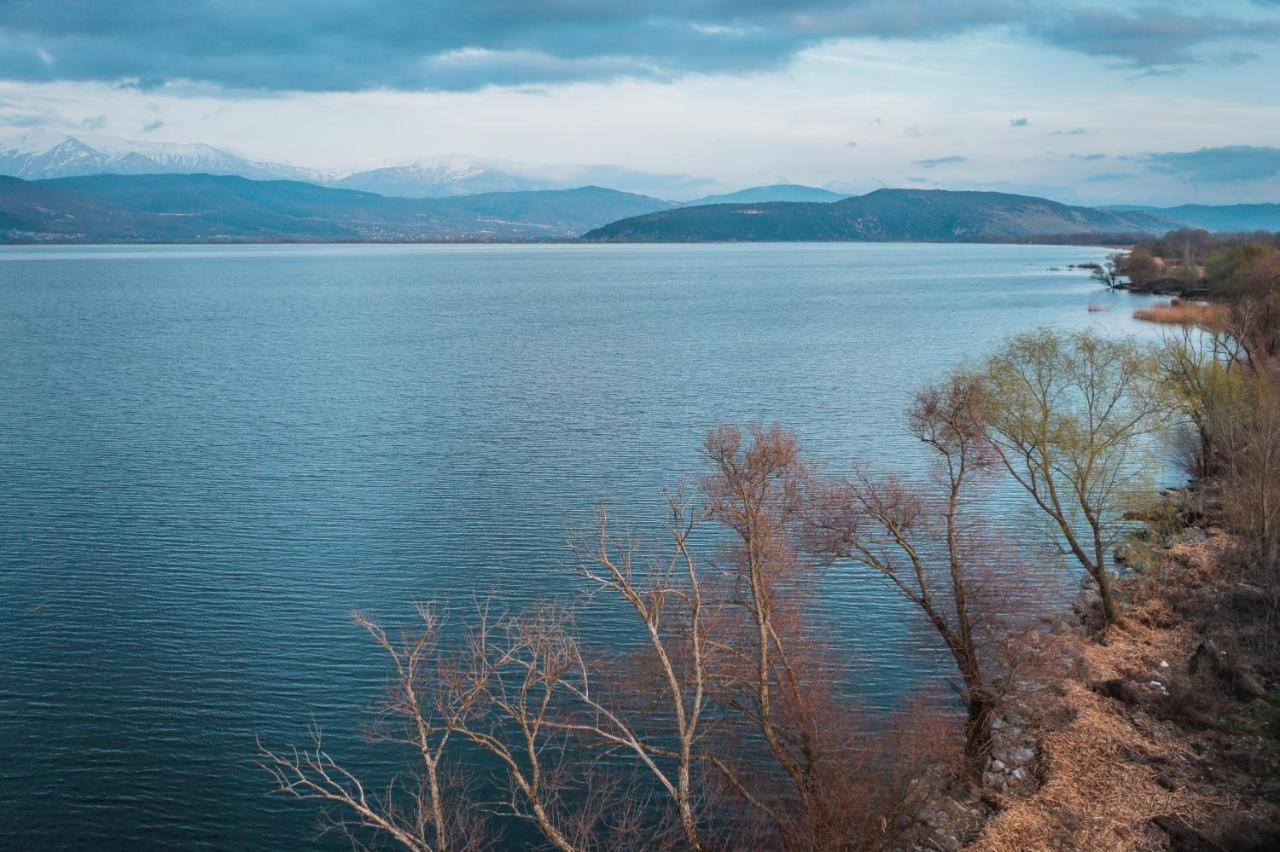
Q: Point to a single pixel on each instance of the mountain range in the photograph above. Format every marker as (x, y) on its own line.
(44, 154)
(91, 188)
(226, 208)
(1225, 217)
(883, 215)
(40, 154)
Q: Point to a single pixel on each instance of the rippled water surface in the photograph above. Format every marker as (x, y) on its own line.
(208, 456)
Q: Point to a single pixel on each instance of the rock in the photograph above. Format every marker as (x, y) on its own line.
(1164, 664)
(997, 766)
(1024, 755)
(1085, 601)
(1210, 658)
(1191, 535)
(1019, 774)
(994, 780)
(1166, 782)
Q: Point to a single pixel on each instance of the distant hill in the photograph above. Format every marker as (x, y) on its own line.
(883, 215)
(220, 208)
(774, 192)
(1211, 217)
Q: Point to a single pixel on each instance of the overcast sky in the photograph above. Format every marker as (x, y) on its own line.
(1083, 101)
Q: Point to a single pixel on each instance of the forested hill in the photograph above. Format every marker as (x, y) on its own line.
(883, 215)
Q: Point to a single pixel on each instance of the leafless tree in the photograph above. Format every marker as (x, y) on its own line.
(416, 814)
(721, 710)
(892, 527)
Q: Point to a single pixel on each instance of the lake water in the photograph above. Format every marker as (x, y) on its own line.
(208, 456)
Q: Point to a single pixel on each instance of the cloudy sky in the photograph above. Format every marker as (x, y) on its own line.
(1093, 101)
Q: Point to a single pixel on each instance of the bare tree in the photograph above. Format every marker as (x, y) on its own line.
(666, 595)
(1108, 274)
(416, 814)
(757, 489)
(1069, 417)
(891, 526)
(722, 712)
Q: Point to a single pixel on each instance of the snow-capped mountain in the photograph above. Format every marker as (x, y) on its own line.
(453, 174)
(459, 174)
(37, 154)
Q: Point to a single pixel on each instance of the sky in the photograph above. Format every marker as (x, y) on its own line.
(1087, 102)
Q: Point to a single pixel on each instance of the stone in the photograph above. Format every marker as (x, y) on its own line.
(1019, 774)
(1024, 755)
(1191, 535)
(1239, 678)
(997, 766)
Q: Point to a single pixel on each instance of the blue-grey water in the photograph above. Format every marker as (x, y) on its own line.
(208, 456)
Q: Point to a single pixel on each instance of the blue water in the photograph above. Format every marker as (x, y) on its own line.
(208, 456)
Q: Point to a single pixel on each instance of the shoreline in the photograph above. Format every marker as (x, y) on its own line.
(1150, 737)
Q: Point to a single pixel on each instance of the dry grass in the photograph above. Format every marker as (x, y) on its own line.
(1099, 771)
(1108, 768)
(1182, 312)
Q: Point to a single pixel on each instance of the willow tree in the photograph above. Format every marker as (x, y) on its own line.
(1071, 418)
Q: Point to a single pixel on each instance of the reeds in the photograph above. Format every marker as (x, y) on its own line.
(1182, 312)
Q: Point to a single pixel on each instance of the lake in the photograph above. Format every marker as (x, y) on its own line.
(209, 455)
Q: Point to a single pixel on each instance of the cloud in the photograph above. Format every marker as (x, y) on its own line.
(1075, 131)
(356, 45)
(152, 126)
(1019, 122)
(1154, 36)
(349, 45)
(1228, 164)
(940, 161)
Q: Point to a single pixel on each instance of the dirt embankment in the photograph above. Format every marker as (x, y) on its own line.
(1160, 735)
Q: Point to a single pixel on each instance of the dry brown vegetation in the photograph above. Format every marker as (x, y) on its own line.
(1182, 312)
(1141, 748)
